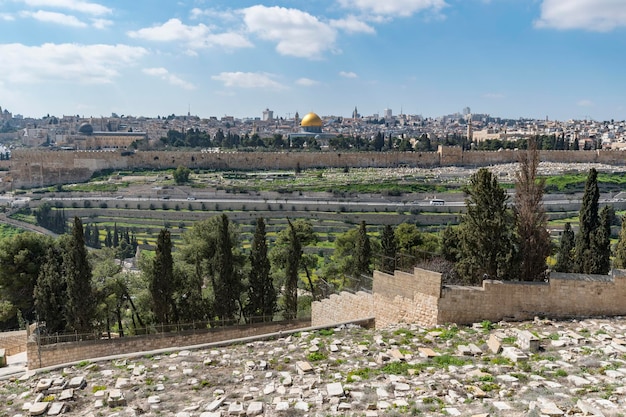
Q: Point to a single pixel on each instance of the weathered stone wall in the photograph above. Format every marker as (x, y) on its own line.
(31, 168)
(420, 298)
(339, 308)
(13, 342)
(49, 355)
(566, 295)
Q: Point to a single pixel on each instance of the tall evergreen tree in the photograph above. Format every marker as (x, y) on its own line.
(588, 223)
(388, 250)
(530, 215)
(294, 255)
(601, 243)
(565, 253)
(80, 305)
(161, 280)
(487, 243)
(363, 251)
(261, 292)
(50, 292)
(226, 283)
(620, 250)
(450, 244)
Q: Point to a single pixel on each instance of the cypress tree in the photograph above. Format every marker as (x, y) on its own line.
(50, 292)
(363, 250)
(588, 223)
(161, 279)
(389, 250)
(261, 292)
(80, 305)
(226, 284)
(620, 250)
(601, 243)
(294, 254)
(564, 256)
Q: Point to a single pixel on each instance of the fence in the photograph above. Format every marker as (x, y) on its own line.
(194, 327)
(67, 348)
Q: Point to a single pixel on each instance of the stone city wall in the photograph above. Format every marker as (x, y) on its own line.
(32, 168)
(54, 354)
(421, 298)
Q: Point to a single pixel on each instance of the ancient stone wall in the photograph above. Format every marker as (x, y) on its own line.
(49, 355)
(13, 342)
(31, 168)
(420, 298)
(339, 308)
(566, 295)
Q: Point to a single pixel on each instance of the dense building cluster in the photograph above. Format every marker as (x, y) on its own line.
(120, 131)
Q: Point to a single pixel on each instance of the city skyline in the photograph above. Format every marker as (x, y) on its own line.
(559, 59)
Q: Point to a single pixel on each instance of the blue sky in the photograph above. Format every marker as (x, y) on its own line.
(511, 58)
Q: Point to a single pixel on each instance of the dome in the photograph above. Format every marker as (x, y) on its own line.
(311, 120)
(85, 129)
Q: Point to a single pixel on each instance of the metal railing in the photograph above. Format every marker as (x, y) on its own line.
(163, 329)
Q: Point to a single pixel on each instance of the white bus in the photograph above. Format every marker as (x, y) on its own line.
(437, 202)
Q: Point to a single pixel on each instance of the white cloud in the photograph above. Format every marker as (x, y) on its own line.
(54, 17)
(352, 25)
(74, 5)
(295, 32)
(591, 15)
(198, 36)
(392, 8)
(306, 82)
(101, 23)
(164, 74)
(585, 103)
(95, 64)
(248, 80)
(348, 74)
(493, 96)
(7, 17)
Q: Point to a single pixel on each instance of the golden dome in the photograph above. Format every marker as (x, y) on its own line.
(311, 120)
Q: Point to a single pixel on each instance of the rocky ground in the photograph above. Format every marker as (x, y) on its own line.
(538, 368)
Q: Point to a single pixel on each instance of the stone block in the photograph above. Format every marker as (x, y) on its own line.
(303, 367)
(255, 408)
(494, 343)
(527, 341)
(334, 389)
(514, 354)
(38, 409)
(56, 408)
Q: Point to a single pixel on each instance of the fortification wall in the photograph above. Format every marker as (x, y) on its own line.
(31, 168)
(49, 355)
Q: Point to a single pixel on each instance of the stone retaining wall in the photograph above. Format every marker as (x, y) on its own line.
(421, 298)
(13, 342)
(49, 355)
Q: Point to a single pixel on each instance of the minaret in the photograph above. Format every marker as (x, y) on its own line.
(470, 132)
(355, 113)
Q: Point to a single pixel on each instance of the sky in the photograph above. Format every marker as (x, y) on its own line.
(561, 59)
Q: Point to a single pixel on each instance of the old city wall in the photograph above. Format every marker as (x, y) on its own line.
(421, 298)
(54, 354)
(31, 168)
